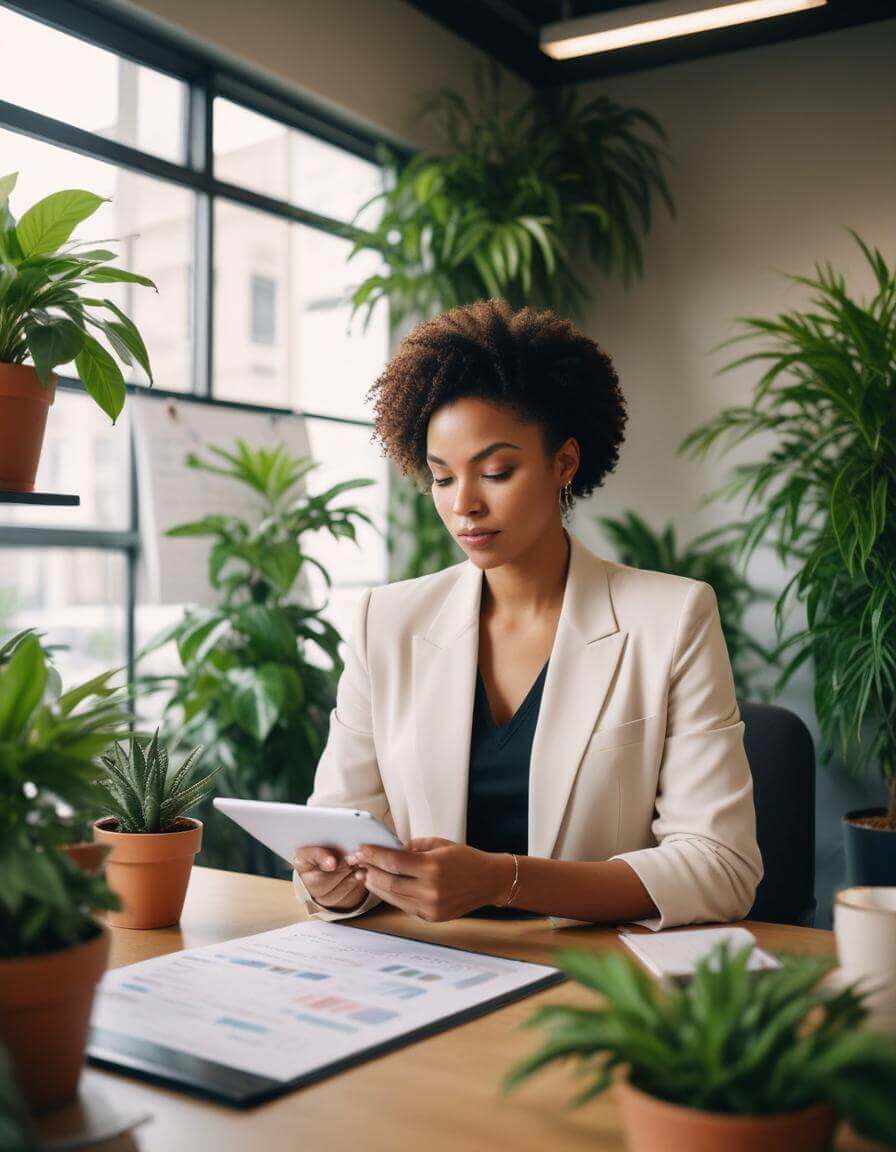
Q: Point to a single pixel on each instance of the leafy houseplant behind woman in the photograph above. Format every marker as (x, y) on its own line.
(43, 316)
(152, 842)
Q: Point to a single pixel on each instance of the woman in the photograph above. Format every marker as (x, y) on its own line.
(547, 731)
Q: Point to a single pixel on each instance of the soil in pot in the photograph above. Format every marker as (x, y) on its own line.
(652, 1124)
(45, 1005)
(150, 871)
(24, 404)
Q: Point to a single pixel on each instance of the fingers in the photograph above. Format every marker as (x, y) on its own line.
(377, 884)
(314, 856)
(397, 860)
(349, 889)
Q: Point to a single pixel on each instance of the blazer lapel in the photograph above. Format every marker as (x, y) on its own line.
(587, 648)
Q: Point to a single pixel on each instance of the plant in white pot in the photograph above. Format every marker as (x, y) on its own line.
(45, 316)
(153, 844)
(738, 1060)
(53, 947)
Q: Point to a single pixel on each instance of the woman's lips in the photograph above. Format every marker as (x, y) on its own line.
(480, 541)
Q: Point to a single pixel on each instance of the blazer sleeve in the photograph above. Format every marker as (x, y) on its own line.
(348, 775)
(706, 864)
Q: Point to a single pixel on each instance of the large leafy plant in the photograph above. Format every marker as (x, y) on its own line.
(247, 689)
(826, 496)
(44, 314)
(732, 1041)
(711, 556)
(49, 744)
(512, 202)
(144, 795)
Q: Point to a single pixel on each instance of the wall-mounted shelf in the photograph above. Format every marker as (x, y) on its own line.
(59, 499)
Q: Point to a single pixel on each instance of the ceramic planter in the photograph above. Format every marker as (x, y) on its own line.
(651, 1124)
(45, 1006)
(24, 404)
(870, 852)
(150, 871)
(87, 854)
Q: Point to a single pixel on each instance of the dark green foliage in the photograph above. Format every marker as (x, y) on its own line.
(733, 1041)
(49, 744)
(512, 202)
(709, 557)
(247, 691)
(16, 1130)
(826, 495)
(42, 311)
(143, 794)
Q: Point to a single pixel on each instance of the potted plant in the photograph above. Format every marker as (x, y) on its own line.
(44, 316)
(737, 1060)
(16, 1130)
(152, 842)
(248, 689)
(827, 493)
(53, 948)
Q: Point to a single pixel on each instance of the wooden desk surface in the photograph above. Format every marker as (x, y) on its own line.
(440, 1093)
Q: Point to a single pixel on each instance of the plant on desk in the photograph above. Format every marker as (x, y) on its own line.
(247, 690)
(152, 842)
(738, 1060)
(53, 949)
(45, 316)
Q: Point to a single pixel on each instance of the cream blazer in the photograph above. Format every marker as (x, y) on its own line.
(638, 752)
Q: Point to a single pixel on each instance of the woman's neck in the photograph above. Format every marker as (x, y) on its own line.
(531, 585)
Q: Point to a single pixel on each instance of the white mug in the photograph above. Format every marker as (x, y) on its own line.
(865, 928)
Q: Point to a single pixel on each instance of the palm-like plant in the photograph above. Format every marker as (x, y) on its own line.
(710, 557)
(513, 201)
(827, 495)
(247, 690)
(733, 1041)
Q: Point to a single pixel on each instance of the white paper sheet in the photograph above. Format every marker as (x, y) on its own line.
(674, 955)
(286, 1002)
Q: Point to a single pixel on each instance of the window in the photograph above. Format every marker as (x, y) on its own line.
(261, 204)
(264, 310)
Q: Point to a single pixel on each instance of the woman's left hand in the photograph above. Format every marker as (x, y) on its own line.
(433, 878)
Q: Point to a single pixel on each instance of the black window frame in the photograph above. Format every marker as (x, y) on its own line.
(206, 77)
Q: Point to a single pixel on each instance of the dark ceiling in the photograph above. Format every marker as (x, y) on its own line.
(508, 31)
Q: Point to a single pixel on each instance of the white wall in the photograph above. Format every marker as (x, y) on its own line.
(777, 150)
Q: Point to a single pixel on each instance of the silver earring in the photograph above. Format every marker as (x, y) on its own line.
(566, 501)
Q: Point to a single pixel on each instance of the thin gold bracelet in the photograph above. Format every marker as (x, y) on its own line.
(516, 880)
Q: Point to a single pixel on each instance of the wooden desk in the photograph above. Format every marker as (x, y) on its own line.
(437, 1094)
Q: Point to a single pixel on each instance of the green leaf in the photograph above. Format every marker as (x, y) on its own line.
(50, 222)
(101, 376)
(127, 333)
(22, 682)
(117, 276)
(257, 699)
(52, 344)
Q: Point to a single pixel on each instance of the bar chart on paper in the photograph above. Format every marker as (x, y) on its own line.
(250, 1018)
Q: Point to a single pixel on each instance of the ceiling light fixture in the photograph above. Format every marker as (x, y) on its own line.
(608, 31)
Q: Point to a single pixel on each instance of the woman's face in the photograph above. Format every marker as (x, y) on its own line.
(511, 490)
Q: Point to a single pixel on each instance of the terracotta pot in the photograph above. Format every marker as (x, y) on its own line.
(150, 871)
(651, 1124)
(24, 403)
(87, 854)
(45, 1006)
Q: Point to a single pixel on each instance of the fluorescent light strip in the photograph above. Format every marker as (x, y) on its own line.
(610, 31)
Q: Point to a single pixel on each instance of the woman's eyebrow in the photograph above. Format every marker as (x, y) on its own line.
(479, 455)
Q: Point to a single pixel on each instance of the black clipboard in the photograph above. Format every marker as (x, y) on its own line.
(171, 1068)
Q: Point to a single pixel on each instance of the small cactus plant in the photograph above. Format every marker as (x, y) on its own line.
(144, 798)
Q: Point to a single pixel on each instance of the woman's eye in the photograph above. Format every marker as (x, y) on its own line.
(486, 476)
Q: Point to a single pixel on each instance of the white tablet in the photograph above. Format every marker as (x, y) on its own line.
(285, 827)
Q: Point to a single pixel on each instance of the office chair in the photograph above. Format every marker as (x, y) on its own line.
(781, 753)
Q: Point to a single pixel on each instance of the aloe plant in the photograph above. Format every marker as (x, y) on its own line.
(42, 311)
(732, 1041)
(144, 796)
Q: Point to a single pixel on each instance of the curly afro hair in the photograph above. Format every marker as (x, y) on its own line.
(535, 363)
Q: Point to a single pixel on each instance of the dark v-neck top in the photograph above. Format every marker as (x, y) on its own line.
(498, 787)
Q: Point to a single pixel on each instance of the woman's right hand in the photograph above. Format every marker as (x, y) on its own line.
(329, 880)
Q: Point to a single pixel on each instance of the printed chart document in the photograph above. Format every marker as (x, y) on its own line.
(248, 1019)
(673, 956)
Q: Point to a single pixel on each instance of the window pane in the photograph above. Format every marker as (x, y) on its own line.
(84, 454)
(318, 360)
(347, 452)
(151, 225)
(265, 155)
(61, 76)
(76, 597)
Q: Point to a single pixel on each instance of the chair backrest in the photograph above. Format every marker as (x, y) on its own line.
(781, 753)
